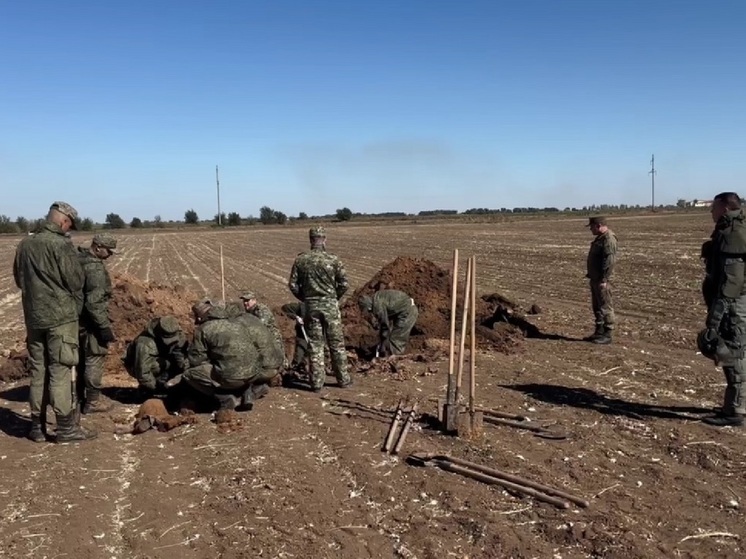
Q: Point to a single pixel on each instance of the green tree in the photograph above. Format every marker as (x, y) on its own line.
(136, 223)
(281, 218)
(191, 217)
(113, 221)
(302, 215)
(681, 203)
(220, 220)
(234, 219)
(344, 214)
(7, 225)
(266, 215)
(158, 222)
(86, 224)
(23, 224)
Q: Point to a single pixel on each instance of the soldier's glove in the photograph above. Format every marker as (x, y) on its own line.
(707, 342)
(106, 335)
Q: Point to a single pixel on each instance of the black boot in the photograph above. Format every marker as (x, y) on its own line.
(94, 403)
(598, 332)
(725, 420)
(247, 400)
(36, 433)
(69, 431)
(226, 401)
(604, 338)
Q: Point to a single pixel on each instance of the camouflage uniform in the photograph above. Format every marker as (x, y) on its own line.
(709, 288)
(296, 311)
(223, 359)
(319, 280)
(95, 326)
(271, 359)
(601, 260)
(396, 314)
(263, 313)
(47, 270)
(157, 354)
(726, 317)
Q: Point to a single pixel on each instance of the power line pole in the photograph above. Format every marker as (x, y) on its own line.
(217, 182)
(652, 173)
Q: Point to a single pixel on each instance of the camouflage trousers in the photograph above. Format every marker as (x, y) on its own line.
(323, 322)
(732, 357)
(394, 341)
(52, 355)
(204, 379)
(603, 307)
(90, 365)
(301, 347)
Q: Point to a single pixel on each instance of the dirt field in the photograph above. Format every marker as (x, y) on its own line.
(303, 475)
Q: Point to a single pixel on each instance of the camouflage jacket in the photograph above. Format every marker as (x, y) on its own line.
(96, 292)
(294, 310)
(223, 343)
(148, 358)
(728, 266)
(390, 304)
(602, 257)
(270, 354)
(47, 270)
(317, 274)
(263, 313)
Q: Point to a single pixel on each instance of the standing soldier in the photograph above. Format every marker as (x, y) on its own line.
(47, 270)
(263, 313)
(95, 327)
(601, 260)
(724, 336)
(318, 279)
(395, 314)
(296, 312)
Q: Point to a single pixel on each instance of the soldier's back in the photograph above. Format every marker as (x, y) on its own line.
(317, 274)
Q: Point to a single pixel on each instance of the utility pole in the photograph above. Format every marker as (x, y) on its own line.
(652, 178)
(217, 182)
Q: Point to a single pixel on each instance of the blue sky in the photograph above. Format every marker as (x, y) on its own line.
(379, 105)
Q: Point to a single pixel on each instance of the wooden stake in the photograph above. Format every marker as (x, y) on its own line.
(472, 336)
(222, 273)
(464, 322)
(451, 410)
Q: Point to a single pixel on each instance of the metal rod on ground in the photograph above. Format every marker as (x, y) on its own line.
(405, 429)
(394, 424)
(502, 415)
(462, 344)
(516, 424)
(484, 478)
(517, 479)
(450, 412)
(222, 273)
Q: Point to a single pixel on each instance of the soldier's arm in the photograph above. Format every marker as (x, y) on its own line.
(94, 296)
(293, 282)
(729, 288)
(147, 366)
(179, 354)
(17, 276)
(341, 282)
(71, 271)
(380, 311)
(609, 257)
(198, 350)
(291, 310)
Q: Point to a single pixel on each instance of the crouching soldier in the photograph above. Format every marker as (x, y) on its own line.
(395, 314)
(224, 363)
(95, 327)
(157, 355)
(296, 312)
(263, 313)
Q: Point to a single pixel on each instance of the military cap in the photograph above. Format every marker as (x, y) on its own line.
(105, 240)
(202, 307)
(365, 303)
(169, 328)
(317, 231)
(596, 220)
(68, 210)
(247, 296)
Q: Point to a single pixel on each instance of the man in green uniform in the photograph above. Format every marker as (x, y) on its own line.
(318, 279)
(725, 326)
(296, 312)
(601, 261)
(95, 327)
(47, 270)
(263, 313)
(224, 363)
(394, 313)
(157, 355)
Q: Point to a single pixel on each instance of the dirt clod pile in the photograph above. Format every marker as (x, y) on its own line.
(430, 286)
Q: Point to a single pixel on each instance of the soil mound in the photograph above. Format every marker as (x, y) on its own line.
(430, 286)
(133, 303)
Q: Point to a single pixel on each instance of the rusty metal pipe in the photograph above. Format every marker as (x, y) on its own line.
(394, 425)
(405, 429)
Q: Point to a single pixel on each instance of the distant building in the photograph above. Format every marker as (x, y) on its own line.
(699, 203)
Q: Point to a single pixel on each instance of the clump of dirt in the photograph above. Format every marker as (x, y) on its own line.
(228, 421)
(14, 366)
(430, 287)
(153, 415)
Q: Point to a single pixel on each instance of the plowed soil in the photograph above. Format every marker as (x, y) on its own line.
(303, 474)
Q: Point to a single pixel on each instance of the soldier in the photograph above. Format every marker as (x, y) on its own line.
(47, 270)
(271, 358)
(601, 260)
(318, 279)
(394, 313)
(263, 313)
(223, 359)
(724, 336)
(708, 283)
(157, 355)
(95, 327)
(296, 312)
